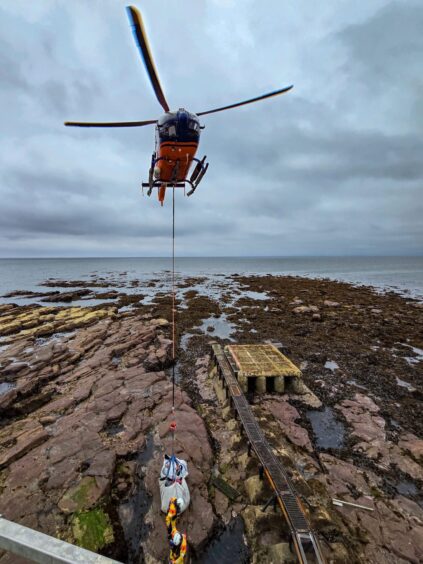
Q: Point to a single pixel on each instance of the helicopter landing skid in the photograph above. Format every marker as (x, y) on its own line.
(194, 180)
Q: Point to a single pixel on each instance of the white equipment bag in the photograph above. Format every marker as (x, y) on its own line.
(174, 468)
(172, 482)
(173, 489)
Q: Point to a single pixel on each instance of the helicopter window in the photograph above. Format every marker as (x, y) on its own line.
(172, 131)
(193, 125)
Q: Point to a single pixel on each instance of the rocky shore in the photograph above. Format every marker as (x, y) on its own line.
(85, 402)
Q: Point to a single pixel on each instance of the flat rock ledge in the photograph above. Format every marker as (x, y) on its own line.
(85, 425)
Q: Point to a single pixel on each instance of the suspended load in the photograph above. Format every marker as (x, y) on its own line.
(172, 483)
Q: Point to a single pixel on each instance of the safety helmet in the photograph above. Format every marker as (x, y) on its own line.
(180, 503)
(176, 538)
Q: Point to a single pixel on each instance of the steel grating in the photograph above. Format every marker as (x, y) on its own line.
(294, 511)
(225, 488)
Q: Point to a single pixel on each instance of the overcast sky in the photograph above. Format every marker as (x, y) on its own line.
(334, 167)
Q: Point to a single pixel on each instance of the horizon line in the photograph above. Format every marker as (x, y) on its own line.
(214, 257)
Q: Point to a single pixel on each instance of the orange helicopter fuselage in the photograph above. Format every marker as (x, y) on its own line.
(177, 139)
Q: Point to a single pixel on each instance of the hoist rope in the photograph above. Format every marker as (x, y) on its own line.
(173, 424)
(173, 299)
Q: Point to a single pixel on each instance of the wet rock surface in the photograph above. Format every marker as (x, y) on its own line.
(81, 410)
(85, 403)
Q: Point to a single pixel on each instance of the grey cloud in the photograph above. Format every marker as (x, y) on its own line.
(388, 46)
(332, 167)
(11, 75)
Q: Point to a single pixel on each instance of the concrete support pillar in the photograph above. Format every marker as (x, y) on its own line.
(261, 385)
(279, 384)
(296, 385)
(242, 381)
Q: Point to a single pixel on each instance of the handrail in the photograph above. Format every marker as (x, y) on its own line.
(44, 549)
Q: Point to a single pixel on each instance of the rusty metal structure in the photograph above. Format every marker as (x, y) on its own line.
(305, 540)
(261, 368)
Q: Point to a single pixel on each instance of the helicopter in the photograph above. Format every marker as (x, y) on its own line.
(177, 132)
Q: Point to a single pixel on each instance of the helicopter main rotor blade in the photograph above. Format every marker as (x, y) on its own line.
(110, 124)
(140, 36)
(250, 101)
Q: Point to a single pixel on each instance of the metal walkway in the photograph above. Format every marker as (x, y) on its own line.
(305, 540)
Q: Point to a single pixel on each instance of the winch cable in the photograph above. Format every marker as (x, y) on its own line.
(173, 423)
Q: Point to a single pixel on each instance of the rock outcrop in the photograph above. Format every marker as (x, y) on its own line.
(83, 405)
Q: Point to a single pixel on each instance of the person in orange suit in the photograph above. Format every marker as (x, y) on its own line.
(175, 508)
(178, 547)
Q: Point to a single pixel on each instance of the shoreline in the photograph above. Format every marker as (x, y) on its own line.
(404, 274)
(361, 356)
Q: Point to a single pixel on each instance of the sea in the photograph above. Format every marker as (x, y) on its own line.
(399, 274)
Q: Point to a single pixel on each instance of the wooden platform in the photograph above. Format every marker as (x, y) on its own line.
(261, 368)
(262, 360)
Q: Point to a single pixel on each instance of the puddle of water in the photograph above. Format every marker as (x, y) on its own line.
(184, 340)
(116, 360)
(254, 295)
(132, 512)
(89, 302)
(406, 488)
(55, 338)
(405, 384)
(126, 308)
(73, 303)
(418, 355)
(411, 360)
(417, 351)
(328, 431)
(178, 375)
(222, 328)
(331, 365)
(5, 387)
(148, 300)
(228, 548)
(114, 429)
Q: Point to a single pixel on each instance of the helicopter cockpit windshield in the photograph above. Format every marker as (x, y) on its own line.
(179, 126)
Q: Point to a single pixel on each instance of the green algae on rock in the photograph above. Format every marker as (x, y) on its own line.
(92, 529)
(84, 495)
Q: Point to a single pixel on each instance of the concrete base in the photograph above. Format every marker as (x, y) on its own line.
(261, 384)
(243, 384)
(280, 384)
(295, 386)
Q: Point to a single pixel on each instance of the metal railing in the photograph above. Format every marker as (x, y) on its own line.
(44, 549)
